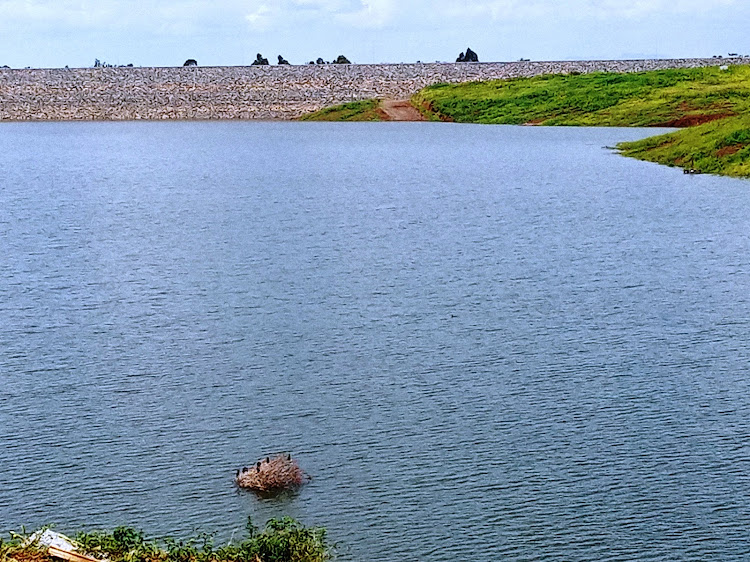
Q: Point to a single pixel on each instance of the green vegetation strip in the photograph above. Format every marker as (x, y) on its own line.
(282, 540)
(643, 99)
(711, 105)
(721, 147)
(365, 110)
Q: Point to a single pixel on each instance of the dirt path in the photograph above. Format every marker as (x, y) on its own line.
(400, 110)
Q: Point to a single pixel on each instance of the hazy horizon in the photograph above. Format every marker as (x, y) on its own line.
(56, 33)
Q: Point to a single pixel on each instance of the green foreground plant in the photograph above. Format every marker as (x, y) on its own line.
(282, 540)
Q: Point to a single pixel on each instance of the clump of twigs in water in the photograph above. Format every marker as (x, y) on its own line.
(271, 474)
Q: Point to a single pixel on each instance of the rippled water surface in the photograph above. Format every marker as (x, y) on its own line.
(484, 343)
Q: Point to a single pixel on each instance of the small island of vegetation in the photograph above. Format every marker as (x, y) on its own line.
(275, 473)
(709, 104)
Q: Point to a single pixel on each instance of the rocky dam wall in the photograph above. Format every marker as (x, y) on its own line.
(256, 92)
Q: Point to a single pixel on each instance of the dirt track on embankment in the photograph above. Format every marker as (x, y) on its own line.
(400, 110)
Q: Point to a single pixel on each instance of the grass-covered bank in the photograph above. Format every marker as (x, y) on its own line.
(709, 104)
(365, 110)
(282, 540)
(721, 147)
(671, 98)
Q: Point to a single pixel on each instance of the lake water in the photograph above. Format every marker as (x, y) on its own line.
(482, 342)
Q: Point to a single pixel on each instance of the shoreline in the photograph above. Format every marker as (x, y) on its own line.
(272, 93)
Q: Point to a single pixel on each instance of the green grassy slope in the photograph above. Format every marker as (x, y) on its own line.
(721, 147)
(713, 106)
(365, 110)
(663, 97)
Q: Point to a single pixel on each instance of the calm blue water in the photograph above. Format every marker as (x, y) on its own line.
(484, 343)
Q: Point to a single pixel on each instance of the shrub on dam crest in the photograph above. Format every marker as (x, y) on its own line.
(468, 56)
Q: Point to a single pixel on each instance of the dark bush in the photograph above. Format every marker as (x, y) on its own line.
(468, 56)
(740, 137)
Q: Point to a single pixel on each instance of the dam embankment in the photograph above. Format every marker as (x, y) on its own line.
(256, 92)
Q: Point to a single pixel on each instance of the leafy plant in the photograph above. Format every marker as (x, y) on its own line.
(282, 540)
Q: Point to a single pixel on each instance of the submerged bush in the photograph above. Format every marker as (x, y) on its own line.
(274, 473)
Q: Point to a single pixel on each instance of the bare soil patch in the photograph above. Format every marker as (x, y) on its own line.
(729, 150)
(400, 110)
(693, 120)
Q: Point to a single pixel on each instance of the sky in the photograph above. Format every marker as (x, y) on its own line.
(56, 33)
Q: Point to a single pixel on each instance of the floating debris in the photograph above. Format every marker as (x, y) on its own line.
(59, 546)
(273, 473)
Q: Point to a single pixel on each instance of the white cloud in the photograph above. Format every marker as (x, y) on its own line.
(327, 6)
(348, 13)
(187, 15)
(579, 9)
(371, 14)
(104, 15)
(61, 13)
(421, 14)
(260, 18)
(220, 31)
